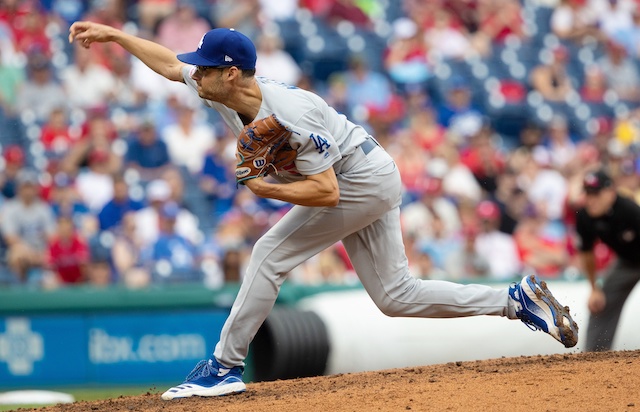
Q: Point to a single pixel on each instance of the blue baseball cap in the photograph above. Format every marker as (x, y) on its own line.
(223, 47)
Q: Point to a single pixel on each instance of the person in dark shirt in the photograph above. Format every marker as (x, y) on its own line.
(147, 153)
(217, 182)
(615, 220)
(111, 214)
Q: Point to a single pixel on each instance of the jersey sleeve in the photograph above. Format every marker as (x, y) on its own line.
(187, 71)
(586, 235)
(317, 148)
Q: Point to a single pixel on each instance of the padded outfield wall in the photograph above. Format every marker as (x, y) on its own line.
(87, 336)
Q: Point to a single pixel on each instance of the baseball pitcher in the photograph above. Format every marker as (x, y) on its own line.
(344, 186)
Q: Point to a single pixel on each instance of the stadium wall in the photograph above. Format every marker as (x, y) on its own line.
(86, 337)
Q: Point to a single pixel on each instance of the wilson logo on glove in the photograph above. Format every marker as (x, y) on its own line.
(259, 162)
(263, 147)
(242, 172)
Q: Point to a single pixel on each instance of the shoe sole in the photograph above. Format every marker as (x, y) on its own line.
(562, 318)
(230, 389)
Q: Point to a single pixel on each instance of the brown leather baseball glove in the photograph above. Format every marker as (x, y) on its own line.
(263, 147)
(285, 156)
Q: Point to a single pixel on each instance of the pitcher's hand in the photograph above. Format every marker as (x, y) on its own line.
(86, 32)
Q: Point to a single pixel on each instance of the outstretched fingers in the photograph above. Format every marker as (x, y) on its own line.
(75, 29)
(84, 33)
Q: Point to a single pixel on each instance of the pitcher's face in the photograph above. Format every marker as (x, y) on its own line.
(211, 85)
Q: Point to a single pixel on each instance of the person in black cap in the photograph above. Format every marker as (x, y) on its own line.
(344, 187)
(615, 220)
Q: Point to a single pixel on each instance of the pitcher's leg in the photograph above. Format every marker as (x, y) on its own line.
(256, 297)
(378, 256)
(276, 253)
(299, 235)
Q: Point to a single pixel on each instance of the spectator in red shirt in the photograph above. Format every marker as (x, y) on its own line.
(56, 135)
(68, 253)
(426, 131)
(12, 10)
(30, 33)
(501, 19)
(27, 23)
(99, 124)
(410, 160)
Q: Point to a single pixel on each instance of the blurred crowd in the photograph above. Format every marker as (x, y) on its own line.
(493, 110)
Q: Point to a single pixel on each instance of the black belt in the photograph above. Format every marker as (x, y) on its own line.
(368, 145)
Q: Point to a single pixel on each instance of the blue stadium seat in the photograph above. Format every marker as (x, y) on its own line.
(12, 130)
(291, 38)
(393, 9)
(600, 109)
(374, 49)
(542, 23)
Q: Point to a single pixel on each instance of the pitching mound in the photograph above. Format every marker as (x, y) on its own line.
(576, 382)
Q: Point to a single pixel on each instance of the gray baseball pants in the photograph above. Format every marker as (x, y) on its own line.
(367, 220)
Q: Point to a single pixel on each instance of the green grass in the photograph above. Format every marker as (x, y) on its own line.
(91, 394)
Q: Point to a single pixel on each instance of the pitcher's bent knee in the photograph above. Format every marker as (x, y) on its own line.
(392, 307)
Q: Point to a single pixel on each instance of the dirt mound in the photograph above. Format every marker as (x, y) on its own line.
(575, 382)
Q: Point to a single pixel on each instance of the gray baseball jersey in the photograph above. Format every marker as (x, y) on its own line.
(366, 220)
(321, 136)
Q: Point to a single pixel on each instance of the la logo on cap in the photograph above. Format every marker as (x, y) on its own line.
(201, 41)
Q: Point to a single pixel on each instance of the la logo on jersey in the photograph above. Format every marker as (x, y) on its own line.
(320, 142)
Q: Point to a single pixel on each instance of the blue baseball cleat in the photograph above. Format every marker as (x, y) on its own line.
(539, 310)
(209, 378)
